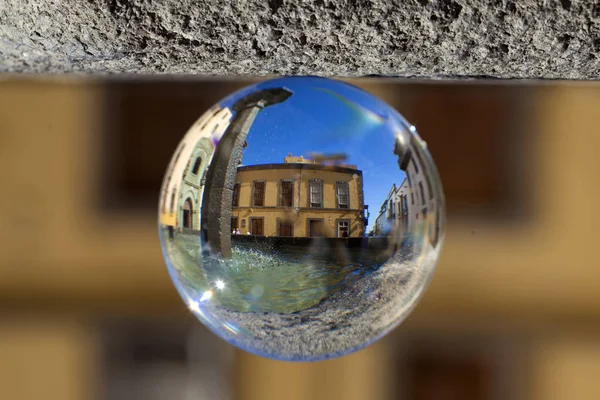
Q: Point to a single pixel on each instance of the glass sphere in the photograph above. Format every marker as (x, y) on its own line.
(301, 218)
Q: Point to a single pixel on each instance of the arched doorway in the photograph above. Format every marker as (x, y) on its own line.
(188, 209)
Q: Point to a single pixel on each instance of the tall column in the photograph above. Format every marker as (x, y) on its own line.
(220, 178)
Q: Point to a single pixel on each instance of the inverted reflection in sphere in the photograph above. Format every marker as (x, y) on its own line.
(301, 218)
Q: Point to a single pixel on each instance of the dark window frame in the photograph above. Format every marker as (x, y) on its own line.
(172, 200)
(264, 193)
(338, 185)
(196, 167)
(235, 200)
(429, 188)
(415, 164)
(311, 182)
(166, 191)
(422, 192)
(291, 195)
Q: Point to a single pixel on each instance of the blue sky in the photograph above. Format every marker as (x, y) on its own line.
(328, 116)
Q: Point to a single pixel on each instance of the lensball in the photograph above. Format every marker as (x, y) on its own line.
(301, 218)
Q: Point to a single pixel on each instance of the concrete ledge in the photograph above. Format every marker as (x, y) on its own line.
(416, 38)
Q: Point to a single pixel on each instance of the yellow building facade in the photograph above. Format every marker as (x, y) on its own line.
(299, 198)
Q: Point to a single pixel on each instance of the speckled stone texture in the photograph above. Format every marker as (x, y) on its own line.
(415, 38)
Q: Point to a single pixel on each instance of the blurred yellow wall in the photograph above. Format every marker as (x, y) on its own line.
(62, 262)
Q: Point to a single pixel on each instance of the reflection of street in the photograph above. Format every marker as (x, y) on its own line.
(260, 279)
(324, 317)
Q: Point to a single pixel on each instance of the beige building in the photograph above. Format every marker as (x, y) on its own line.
(420, 203)
(184, 182)
(299, 198)
(393, 213)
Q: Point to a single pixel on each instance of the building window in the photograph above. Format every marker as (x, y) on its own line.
(409, 181)
(404, 203)
(258, 197)
(286, 194)
(416, 164)
(343, 228)
(437, 229)
(316, 193)
(234, 223)
(196, 167)
(412, 198)
(164, 199)
(429, 188)
(236, 195)
(343, 195)
(422, 192)
(419, 159)
(286, 228)
(172, 204)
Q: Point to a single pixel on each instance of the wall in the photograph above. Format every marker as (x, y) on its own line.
(301, 186)
(67, 264)
(192, 185)
(211, 124)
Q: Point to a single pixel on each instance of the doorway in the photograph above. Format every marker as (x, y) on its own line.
(188, 211)
(257, 226)
(286, 228)
(315, 227)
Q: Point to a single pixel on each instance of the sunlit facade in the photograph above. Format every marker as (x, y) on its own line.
(299, 198)
(411, 206)
(393, 213)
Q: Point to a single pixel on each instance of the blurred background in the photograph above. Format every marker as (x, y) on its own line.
(88, 310)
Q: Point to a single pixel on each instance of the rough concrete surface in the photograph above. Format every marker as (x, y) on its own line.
(415, 38)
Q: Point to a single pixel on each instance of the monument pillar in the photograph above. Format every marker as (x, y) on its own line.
(222, 171)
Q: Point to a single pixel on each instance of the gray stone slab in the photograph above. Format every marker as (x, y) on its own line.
(416, 38)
